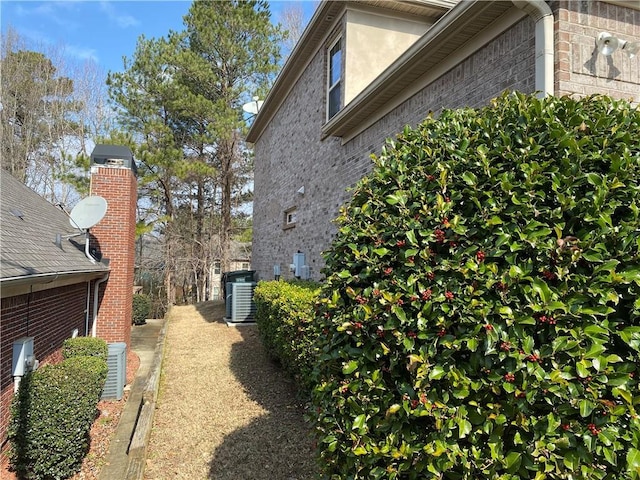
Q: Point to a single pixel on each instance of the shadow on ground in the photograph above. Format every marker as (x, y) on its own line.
(276, 446)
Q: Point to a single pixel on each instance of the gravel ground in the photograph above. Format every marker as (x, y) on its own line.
(225, 411)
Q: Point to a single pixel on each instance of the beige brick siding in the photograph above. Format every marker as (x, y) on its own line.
(579, 68)
(290, 153)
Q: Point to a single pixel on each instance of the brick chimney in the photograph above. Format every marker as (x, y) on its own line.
(113, 177)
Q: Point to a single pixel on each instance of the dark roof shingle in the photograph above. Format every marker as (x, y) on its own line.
(28, 228)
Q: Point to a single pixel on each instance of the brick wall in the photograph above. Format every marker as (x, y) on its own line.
(579, 69)
(114, 237)
(291, 154)
(50, 316)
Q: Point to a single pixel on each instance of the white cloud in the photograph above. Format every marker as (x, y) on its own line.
(122, 20)
(55, 12)
(82, 53)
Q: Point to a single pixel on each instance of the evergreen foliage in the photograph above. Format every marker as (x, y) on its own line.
(85, 347)
(481, 311)
(51, 417)
(284, 314)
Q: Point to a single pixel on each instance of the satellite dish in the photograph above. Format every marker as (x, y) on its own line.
(253, 107)
(88, 212)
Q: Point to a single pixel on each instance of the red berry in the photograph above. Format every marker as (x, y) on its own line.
(566, 426)
(414, 404)
(488, 327)
(449, 295)
(505, 346)
(412, 334)
(509, 377)
(400, 243)
(388, 270)
(480, 256)
(426, 294)
(442, 332)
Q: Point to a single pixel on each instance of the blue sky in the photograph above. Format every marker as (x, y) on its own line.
(102, 31)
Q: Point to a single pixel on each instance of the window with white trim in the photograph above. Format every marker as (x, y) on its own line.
(334, 79)
(290, 217)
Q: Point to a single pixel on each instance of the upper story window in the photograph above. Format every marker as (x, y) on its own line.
(334, 90)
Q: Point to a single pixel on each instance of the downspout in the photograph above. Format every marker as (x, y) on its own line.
(86, 316)
(94, 327)
(540, 12)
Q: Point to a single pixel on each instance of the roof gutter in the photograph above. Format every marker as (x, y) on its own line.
(540, 12)
(12, 286)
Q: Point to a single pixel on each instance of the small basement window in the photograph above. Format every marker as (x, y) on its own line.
(290, 217)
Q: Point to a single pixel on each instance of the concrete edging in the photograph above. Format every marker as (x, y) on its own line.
(137, 453)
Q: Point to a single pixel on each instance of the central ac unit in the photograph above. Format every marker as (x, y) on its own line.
(241, 302)
(117, 373)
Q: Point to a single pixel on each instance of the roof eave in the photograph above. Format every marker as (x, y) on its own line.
(312, 38)
(437, 43)
(11, 286)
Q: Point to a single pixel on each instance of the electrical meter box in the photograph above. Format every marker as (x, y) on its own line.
(23, 358)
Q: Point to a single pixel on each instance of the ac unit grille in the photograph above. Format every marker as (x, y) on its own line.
(117, 374)
(242, 307)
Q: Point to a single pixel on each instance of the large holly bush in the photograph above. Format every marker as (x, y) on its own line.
(481, 310)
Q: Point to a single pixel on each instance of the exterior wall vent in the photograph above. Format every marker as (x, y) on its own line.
(117, 375)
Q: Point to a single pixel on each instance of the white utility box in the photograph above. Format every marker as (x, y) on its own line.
(23, 358)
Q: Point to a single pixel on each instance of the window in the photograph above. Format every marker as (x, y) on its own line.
(290, 217)
(334, 90)
(245, 266)
(216, 268)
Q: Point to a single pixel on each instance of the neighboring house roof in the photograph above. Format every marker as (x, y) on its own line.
(455, 24)
(29, 226)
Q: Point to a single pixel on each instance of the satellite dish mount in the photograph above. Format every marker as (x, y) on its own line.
(86, 214)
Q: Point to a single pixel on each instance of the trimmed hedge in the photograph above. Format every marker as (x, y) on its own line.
(482, 304)
(141, 308)
(284, 314)
(52, 414)
(85, 347)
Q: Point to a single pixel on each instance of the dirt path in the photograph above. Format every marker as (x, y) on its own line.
(225, 411)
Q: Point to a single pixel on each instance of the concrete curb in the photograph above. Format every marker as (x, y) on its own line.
(137, 453)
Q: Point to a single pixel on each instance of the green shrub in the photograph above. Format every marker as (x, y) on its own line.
(141, 308)
(284, 314)
(85, 346)
(51, 417)
(482, 302)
